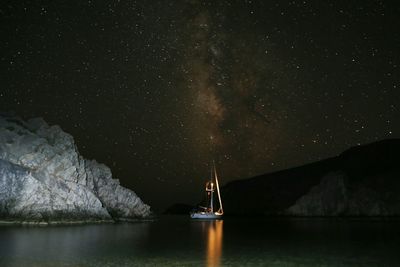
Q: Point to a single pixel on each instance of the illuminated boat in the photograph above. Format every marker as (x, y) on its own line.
(209, 212)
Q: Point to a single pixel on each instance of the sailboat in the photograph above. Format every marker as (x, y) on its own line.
(210, 212)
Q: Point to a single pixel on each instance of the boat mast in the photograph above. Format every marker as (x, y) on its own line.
(221, 210)
(211, 192)
(212, 198)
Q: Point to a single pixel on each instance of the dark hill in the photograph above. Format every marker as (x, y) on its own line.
(362, 181)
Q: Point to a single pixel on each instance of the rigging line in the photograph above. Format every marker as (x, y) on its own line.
(219, 194)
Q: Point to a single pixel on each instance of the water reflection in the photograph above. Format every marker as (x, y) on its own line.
(68, 243)
(179, 241)
(214, 242)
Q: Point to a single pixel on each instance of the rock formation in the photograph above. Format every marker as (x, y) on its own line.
(43, 178)
(362, 181)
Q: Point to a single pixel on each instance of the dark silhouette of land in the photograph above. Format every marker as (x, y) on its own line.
(362, 181)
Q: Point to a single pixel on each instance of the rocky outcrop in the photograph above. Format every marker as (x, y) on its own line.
(43, 178)
(362, 181)
(329, 197)
(338, 195)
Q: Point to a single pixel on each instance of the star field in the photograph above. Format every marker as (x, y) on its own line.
(156, 90)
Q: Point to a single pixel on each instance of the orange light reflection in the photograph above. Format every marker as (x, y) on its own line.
(214, 243)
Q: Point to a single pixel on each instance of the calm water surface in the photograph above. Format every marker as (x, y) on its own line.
(178, 241)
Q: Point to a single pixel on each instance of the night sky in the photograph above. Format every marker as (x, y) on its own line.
(156, 90)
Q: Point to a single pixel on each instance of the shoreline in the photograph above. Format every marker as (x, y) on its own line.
(56, 222)
(4, 222)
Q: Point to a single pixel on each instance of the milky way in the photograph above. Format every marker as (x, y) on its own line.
(158, 89)
(236, 104)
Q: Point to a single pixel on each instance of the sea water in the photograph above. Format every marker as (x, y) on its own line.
(179, 241)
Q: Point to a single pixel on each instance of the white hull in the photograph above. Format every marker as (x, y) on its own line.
(206, 215)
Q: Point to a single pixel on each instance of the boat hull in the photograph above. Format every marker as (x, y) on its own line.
(206, 215)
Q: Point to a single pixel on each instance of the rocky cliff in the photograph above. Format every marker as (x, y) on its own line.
(43, 178)
(362, 181)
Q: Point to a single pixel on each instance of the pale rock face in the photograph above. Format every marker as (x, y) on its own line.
(333, 196)
(43, 177)
(119, 201)
(329, 198)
